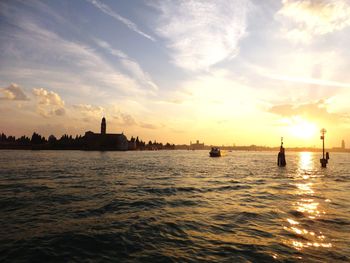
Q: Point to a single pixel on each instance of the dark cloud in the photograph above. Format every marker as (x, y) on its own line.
(12, 92)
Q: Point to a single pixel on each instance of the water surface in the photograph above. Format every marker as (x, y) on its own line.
(173, 206)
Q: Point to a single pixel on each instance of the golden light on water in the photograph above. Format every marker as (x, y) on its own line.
(307, 206)
(305, 188)
(305, 161)
(312, 239)
(292, 222)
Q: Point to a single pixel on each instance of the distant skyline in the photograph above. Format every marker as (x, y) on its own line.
(221, 72)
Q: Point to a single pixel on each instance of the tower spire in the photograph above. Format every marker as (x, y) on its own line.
(103, 126)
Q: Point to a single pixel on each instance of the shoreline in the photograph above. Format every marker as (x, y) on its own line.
(243, 148)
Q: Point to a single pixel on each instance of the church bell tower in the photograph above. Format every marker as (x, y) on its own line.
(103, 126)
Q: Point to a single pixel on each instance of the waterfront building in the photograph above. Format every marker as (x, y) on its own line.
(196, 146)
(104, 140)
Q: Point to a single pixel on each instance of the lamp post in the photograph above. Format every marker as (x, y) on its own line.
(323, 161)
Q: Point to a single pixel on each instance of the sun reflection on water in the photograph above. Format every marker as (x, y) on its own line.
(305, 160)
(305, 164)
(305, 188)
(304, 237)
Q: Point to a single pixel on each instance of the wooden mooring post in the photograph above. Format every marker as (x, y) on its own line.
(281, 158)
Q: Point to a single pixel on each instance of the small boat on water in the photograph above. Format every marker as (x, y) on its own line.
(215, 152)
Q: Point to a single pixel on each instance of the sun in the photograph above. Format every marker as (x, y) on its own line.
(302, 128)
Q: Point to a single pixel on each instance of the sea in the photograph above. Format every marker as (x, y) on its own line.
(173, 206)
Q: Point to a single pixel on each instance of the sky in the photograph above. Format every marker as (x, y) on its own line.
(224, 72)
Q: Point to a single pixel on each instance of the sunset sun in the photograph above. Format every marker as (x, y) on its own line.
(302, 128)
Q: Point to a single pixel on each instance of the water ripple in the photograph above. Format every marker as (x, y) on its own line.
(173, 206)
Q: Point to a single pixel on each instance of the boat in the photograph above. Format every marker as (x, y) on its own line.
(215, 152)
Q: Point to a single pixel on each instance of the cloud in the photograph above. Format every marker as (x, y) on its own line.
(48, 97)
(137, 72)
(148, 126)
(128, 119)
(68, 63)
(311, 81)
(130, 65)
(202, 33)
(48, 103)
(60, 111)
(308, 72)
(12, 92)
(125, 119)
(89, 109)
(115, 52)
(313, 110)
(303, 20)
(131, 25)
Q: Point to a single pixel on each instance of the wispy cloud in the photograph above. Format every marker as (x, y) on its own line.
(77, 63)
(87, 112)
(312, 110)
(202, 33)
(302, 20)
(89, 109)
(314, 68)
(12, 92)
(127, 120)
(129, 65)
(148, 126)
(312, 81)
(115, 52)
(131, 25)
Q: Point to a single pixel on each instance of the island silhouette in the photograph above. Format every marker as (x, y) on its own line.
(102, 141)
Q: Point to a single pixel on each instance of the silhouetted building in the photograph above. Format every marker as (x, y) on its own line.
(105, 141)
(343, 144)
(103, 126)
(196, 146)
